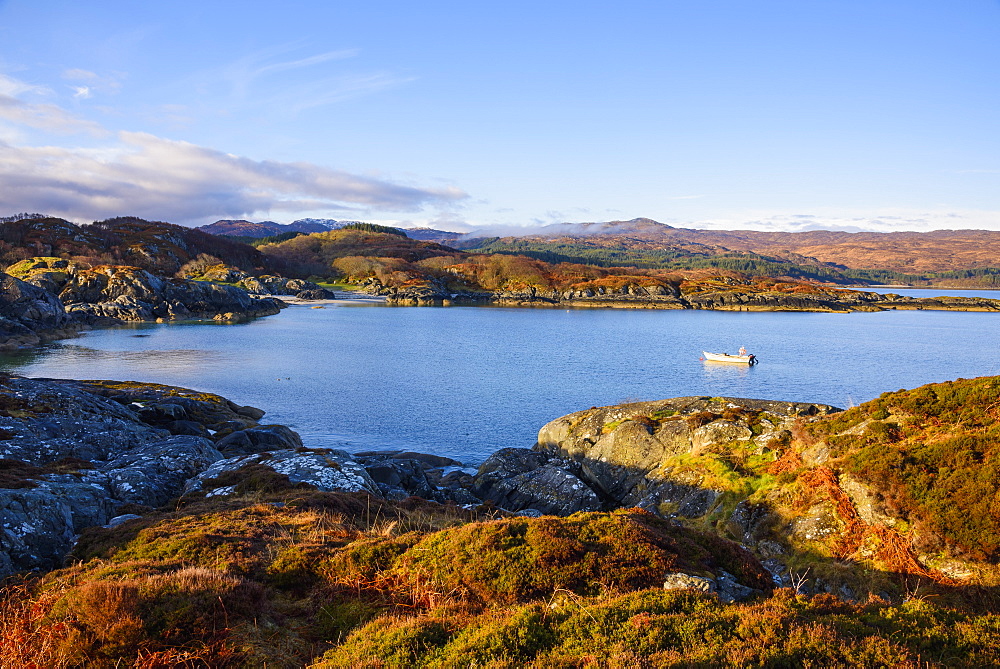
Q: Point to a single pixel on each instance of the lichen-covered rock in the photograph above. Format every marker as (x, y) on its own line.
(323, 469)
(625, 451)
(682, 581)
(38, 525)
(725, 586)
(152, 475)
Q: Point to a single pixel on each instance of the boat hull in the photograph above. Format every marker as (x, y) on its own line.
(725, 357)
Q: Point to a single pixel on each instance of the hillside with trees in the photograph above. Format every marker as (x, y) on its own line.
(160, 248)
(955, 258)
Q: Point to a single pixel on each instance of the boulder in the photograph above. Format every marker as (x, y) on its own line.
(258, 440)
(402, 474)
(724, 585)
(315, 294)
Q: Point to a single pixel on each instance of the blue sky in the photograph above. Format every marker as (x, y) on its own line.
(773, 115)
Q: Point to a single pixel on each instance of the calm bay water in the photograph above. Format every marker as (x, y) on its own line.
(465, 381)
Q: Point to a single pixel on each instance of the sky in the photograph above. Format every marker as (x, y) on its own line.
(717, 114)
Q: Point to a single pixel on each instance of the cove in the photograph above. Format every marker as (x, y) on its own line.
(466, 381)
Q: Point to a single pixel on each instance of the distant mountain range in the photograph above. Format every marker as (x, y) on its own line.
(906, 252)
(902, 252)
(250, 229)
(241, 228)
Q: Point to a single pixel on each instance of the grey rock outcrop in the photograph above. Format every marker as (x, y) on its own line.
(56, 299)
(517, 479)
(259, 439)
(72, 453)
(279, 285)
(128, 294)
(402, 474)
(30, 315)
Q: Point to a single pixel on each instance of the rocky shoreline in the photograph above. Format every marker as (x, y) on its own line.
(634, 296)
(44, 299)
(88, 454)
(79, 454)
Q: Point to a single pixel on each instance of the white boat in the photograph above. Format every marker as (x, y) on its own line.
(748, 359)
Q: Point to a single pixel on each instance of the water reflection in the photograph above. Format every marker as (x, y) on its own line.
(73, 358)
(716, 371)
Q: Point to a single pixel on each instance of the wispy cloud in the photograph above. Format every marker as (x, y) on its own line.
(272, 80)
(46, 117)
(338, 89)
(14, 87)
(307, 62)
(86, 83)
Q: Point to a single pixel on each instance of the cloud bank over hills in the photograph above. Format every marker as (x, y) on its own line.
(140, 174)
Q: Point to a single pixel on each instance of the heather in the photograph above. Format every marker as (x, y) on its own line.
(294, 577)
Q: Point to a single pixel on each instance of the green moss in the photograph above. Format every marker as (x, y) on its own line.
(159, 390)
(12, 406)
(366, 559)
(336, 620)
(610, 427)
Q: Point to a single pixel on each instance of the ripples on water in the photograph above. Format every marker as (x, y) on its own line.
(465, 381)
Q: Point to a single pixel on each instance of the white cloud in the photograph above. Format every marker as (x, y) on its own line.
(148, 176)
(144, 175)
(91, 82)
(889, 220)
(81, 92)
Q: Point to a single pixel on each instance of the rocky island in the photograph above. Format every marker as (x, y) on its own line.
(191, 532)
(679, 294)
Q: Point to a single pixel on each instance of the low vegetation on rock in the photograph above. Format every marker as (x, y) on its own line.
(294, 578)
